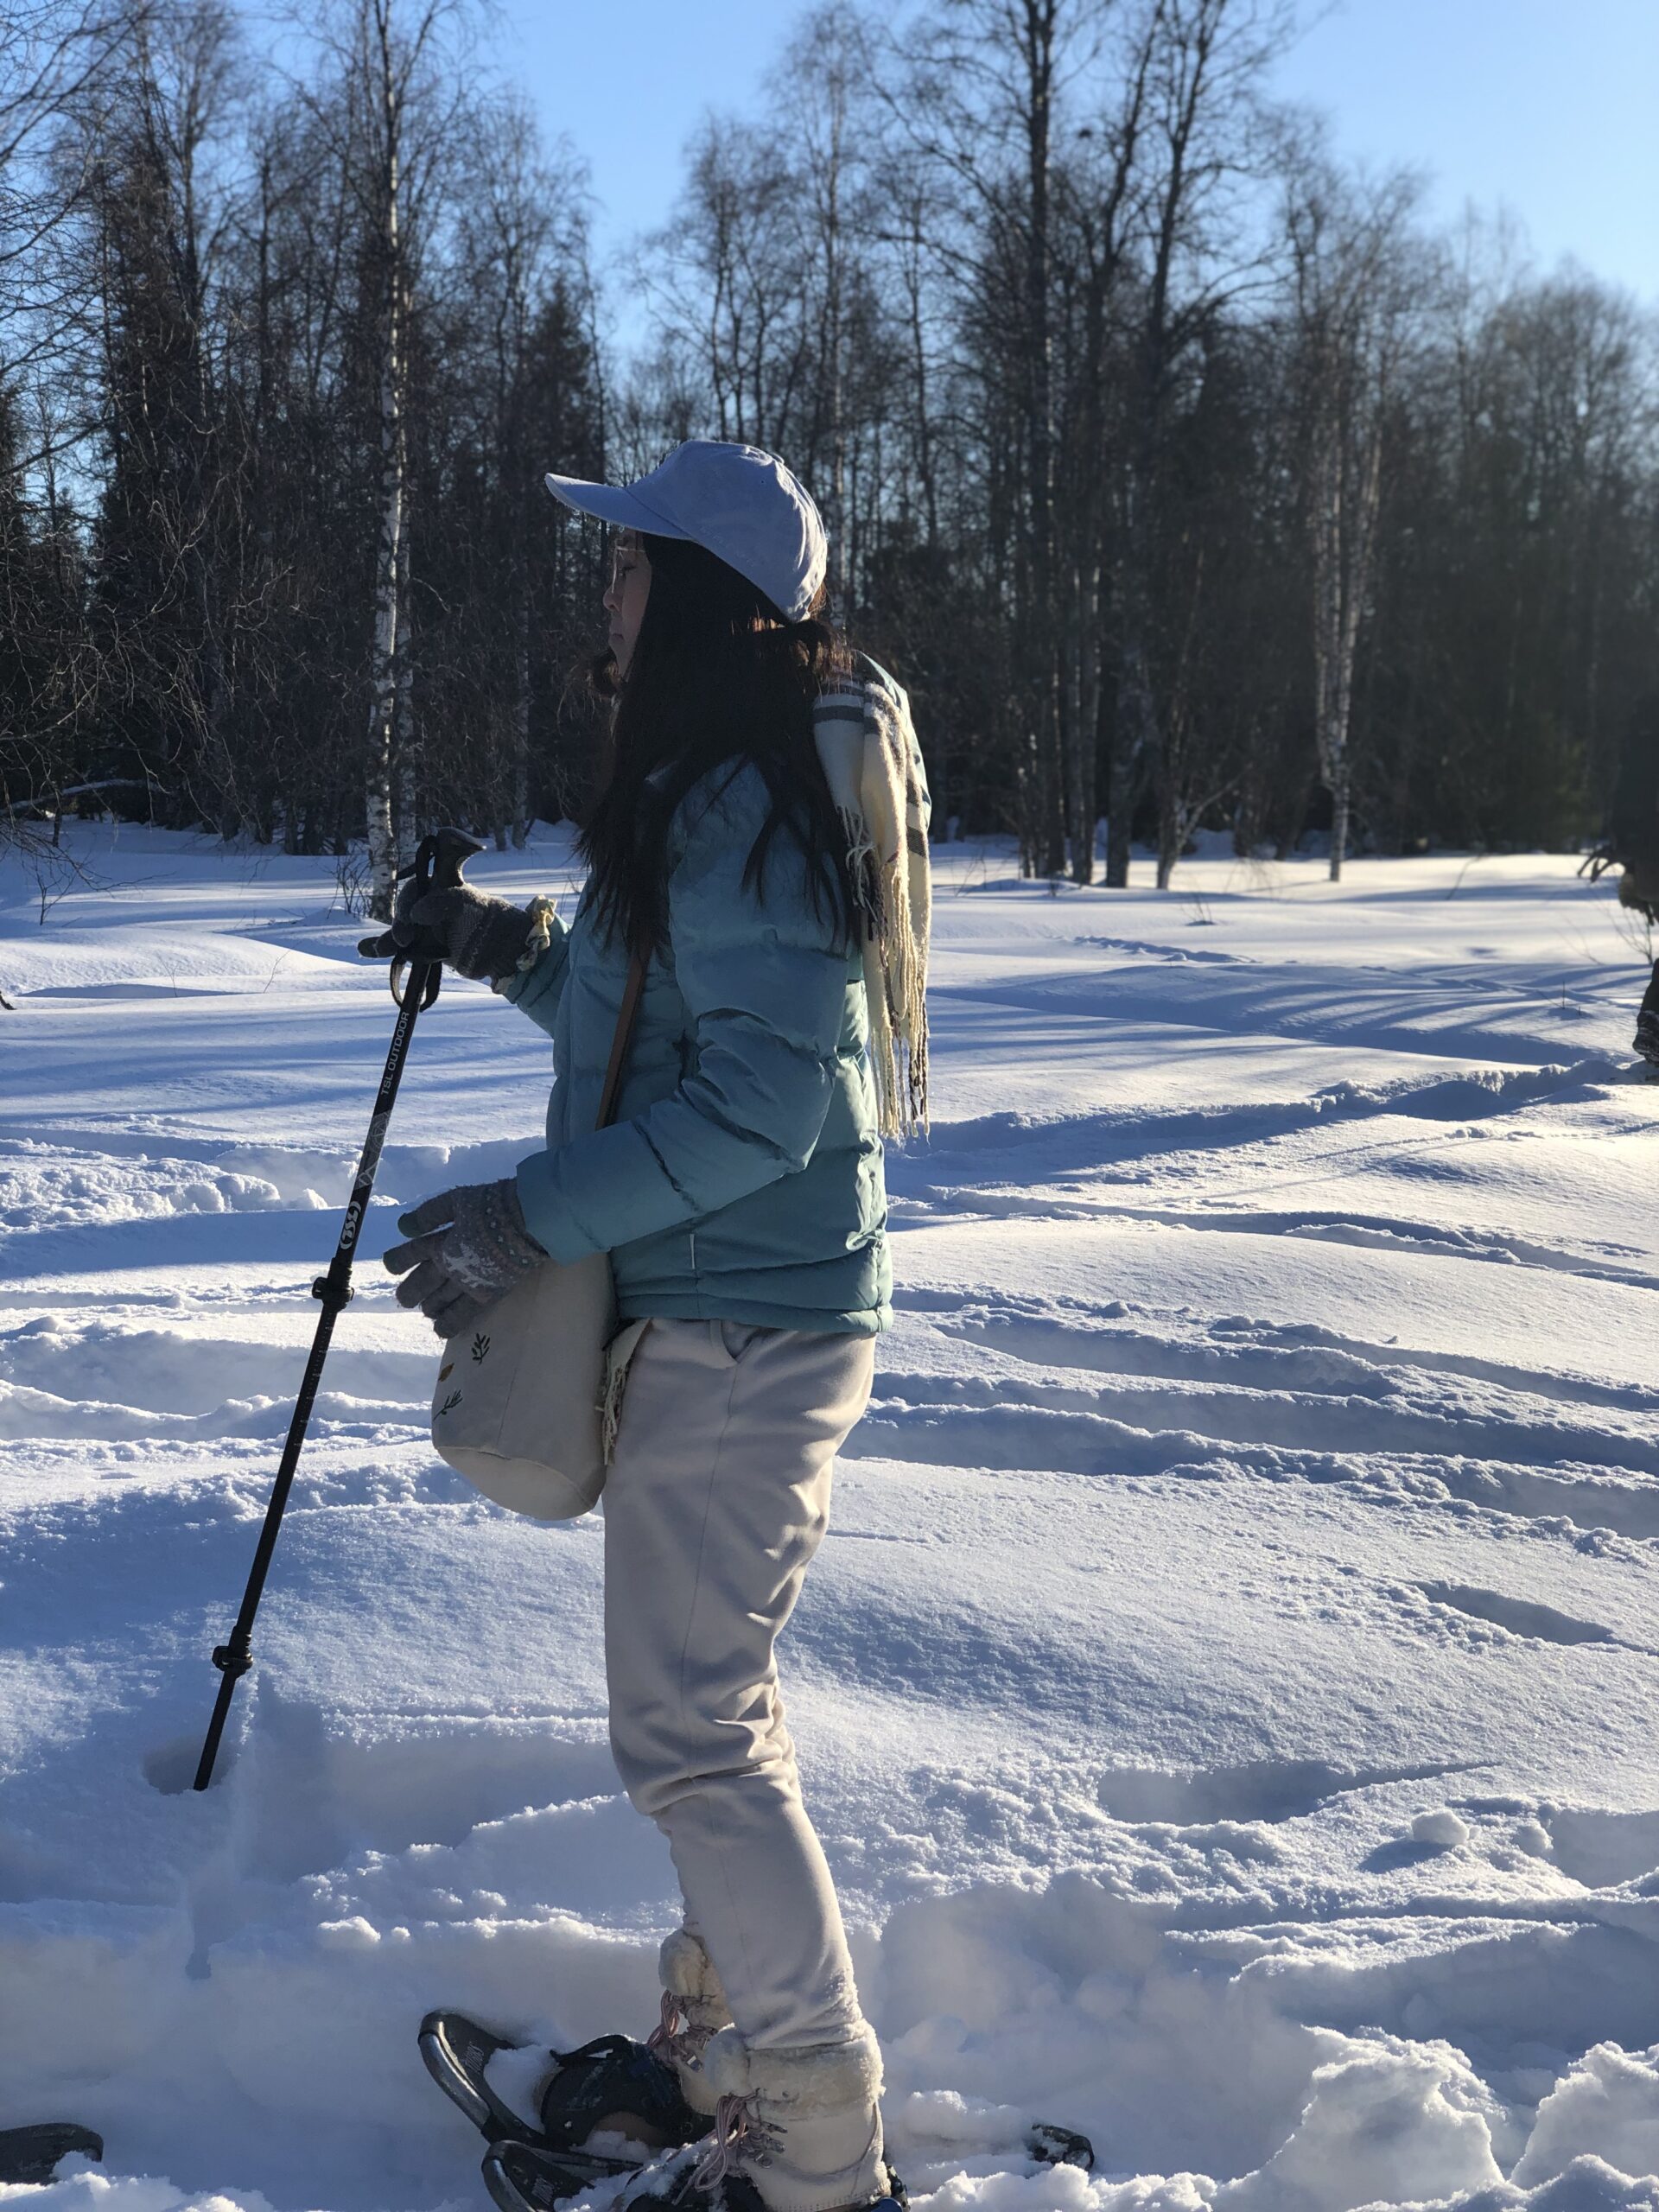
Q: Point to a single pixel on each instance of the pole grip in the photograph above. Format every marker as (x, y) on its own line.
(437, 866)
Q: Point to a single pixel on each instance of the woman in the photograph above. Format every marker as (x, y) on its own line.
(761, 839)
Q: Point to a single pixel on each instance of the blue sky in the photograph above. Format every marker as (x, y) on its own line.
(1549, 105)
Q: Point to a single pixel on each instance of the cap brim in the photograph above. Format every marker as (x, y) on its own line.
(612, 503)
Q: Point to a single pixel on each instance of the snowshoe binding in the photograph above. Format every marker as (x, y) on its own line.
(1058, 2146)
(686, 2184)
(712, 2175)
(611, 2086)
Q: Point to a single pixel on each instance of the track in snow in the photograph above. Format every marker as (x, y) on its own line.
(1265, 1468)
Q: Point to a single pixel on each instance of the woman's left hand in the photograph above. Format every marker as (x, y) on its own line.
(485, 939)
(467, 1247)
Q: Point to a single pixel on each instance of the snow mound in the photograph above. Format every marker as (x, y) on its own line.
(1225, 1693)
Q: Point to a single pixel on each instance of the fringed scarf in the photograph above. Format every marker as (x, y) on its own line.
(874, 767)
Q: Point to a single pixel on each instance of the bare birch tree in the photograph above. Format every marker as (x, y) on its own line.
(1206, 70)
(392, 119)
(984, 84)
(384, 64)
(1099, 190)
(1352, 270)
(1113, 494)
(56, 58)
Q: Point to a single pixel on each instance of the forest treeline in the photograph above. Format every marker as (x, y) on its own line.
(1187, 476)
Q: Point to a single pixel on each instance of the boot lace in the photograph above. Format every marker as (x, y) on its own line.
(674, 2036)
(662, 2037)
(737, 2134)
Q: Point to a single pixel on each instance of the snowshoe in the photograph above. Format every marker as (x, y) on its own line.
(1058, 2146)
(683, 2185)
(31, 2153)
(524, 2176)
(735, 2194)
(611, 2084)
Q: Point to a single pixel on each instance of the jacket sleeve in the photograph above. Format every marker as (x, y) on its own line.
(538, 991)
(764, 988)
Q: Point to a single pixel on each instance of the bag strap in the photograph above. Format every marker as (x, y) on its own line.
(630, 1007)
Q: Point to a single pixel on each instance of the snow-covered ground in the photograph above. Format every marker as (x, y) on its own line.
(1227, 1695)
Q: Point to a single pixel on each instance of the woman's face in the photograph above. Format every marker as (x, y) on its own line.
(624, 601)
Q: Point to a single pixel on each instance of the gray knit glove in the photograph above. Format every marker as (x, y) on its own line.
(467, 1247)
(479, 937)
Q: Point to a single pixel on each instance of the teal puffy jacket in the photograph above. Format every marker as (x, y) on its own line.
(741, 1177)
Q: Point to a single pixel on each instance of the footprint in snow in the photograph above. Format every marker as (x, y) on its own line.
(1524, 1616)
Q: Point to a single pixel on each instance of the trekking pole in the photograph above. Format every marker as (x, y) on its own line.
(415, 982)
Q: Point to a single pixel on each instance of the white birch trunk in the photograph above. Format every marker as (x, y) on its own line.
(382, 679)
(405, 748)
(1089, 719)
(1347, 486)
(389, 559)
(1329, 700)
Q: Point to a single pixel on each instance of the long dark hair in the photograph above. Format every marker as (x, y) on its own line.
(717, 677)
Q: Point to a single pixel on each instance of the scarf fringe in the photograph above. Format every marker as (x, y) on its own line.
(873, 765)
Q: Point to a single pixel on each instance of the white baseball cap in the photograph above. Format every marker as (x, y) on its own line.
(741, 503)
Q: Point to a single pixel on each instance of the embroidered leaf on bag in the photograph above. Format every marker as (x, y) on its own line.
(480, 1345)
(448, 1405)
(446, 1371)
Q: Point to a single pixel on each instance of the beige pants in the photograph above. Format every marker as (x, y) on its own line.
(717, 1498)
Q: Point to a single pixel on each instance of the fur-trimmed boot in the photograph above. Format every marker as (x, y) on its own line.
(694, 2009)
(801, 2128)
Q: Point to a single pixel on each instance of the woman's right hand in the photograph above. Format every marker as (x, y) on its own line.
(479, 937)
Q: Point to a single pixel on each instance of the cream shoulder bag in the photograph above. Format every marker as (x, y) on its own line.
(525, 1401)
